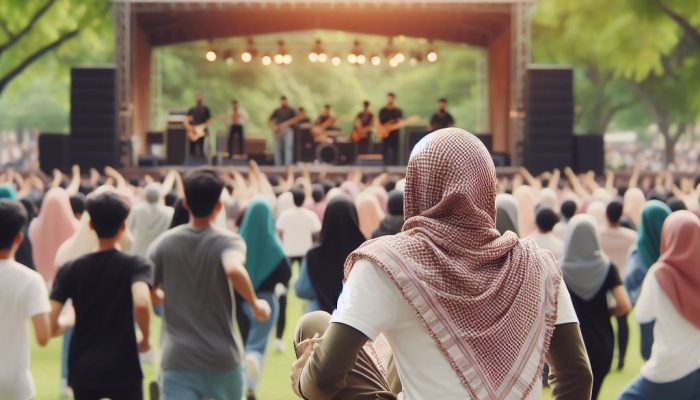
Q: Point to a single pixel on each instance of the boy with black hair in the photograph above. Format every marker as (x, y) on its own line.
(109, 290)
(77, 204)
(568, 209)
(22, 296)
(196, 265)
(545, 219)
(297, 228)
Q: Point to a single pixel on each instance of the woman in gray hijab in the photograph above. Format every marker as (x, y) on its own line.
(589, 277)
(506, 214)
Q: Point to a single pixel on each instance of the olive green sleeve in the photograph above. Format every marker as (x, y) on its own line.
(570, 372)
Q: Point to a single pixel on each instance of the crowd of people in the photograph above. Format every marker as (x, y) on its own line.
(447, 283)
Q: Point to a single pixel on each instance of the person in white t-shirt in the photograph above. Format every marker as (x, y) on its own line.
(670, 297)
(467, 312)
(545, 220)
(23, 296)
(298, 227)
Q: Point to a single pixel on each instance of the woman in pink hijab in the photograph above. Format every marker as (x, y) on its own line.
(369, 212)
(670, 297)
(526, 199)
(54, 225)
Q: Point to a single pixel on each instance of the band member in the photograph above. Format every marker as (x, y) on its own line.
(196, 116)
(362, 133)
(324, 116)
(390, 143)
(238, 117)
(283, 132)
(441, 119)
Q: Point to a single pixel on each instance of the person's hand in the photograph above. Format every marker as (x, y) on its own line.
(142, 340)
(75, 169)
(261, 310)
(304, 349)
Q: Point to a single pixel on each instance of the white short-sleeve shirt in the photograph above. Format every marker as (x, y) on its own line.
(676, 349)
(371, 304)
(23, 295)
(298, 225)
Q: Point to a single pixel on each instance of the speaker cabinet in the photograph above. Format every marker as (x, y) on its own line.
(93, 118)
(589, 152)
(53, 152)
(549, 126)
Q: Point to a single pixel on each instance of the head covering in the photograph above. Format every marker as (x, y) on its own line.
(632, 204)
(54, 225)
(333, 193)
(264, 250)
(340, 235)
(393, 221)
(601, 195)
(678, 271)
(525, 199)
(152, 193)
(488, 300)
(649, 231)
(381, 195)
(584, 266)
(400, 185)
(369, 212)
(147, 221)
(548, 199)
(284, 202)
(8, 191)
(350, 188)
(84, 239)
(506, 214)
(597, 210)
(395, 203)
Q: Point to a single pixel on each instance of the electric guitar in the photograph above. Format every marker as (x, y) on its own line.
(279, 129)
(385, 129)
(196, 132)
(319, 131)
(361, 132)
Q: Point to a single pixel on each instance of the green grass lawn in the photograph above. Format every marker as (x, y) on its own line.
(275, 383)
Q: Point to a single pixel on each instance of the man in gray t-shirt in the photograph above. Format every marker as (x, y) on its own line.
(196, 267)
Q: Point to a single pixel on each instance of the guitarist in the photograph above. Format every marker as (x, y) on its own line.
(390, 144)
(198, 115)
(283, 133)
(364, 121)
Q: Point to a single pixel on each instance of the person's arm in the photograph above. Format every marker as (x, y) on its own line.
(321, 371)
(622, 300)
(58, 326)
(141, 299)
(75, 181)
(644, 308)
(531, 180)
(240, 280)
(42, 328)
(634, 178)
(634, 276)
(554, 179)
(570, 373)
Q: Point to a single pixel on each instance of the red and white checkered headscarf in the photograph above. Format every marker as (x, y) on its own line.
(488, 301)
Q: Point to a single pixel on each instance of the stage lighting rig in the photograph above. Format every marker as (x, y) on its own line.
(228, 57)
(336, 60)
(250, 52)
(210, 55)
(266, 59)
(317, 53)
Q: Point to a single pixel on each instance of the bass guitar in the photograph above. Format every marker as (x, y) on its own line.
(385, 129)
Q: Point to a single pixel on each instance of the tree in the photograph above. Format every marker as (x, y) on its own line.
(650, 45)
(30, 29)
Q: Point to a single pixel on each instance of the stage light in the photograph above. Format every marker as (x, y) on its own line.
(431, 56)
(287, 59)
(210, 55)
(246, 57)
(413, 61)
(355, 54)
(335, 60)
(400, 57)
(279, 59)
(266, 60)
(352, 58)
(375, 60)
(361, 59)
(394, 63)
(317, 51)
(322, 57)
(313, 57)
(228, 57)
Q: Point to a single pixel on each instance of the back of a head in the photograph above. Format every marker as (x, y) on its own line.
(203, 189)
(676, 204)
(298, 196)
(108, 211)
(568, 209)
(395, 203)
(614, 212)
(77, 203)
(13, 218)
(152, 193)
(390, 185)
(318, 192)
(546, 219)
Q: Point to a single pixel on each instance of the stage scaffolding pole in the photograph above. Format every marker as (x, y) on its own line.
(521, 39)
(122, 58)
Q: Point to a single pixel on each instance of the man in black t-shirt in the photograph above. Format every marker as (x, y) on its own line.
(110, 292)
(390, 144)
(284, 140)
(441, 119)
(364, 122)
(198, 115)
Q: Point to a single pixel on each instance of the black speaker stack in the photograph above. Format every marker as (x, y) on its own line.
(93, 118)
(53, 152)
(589, 153)
(549, 128)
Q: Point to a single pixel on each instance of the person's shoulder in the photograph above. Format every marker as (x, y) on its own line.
(629, 233)
(129, 259)
(18, 273)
